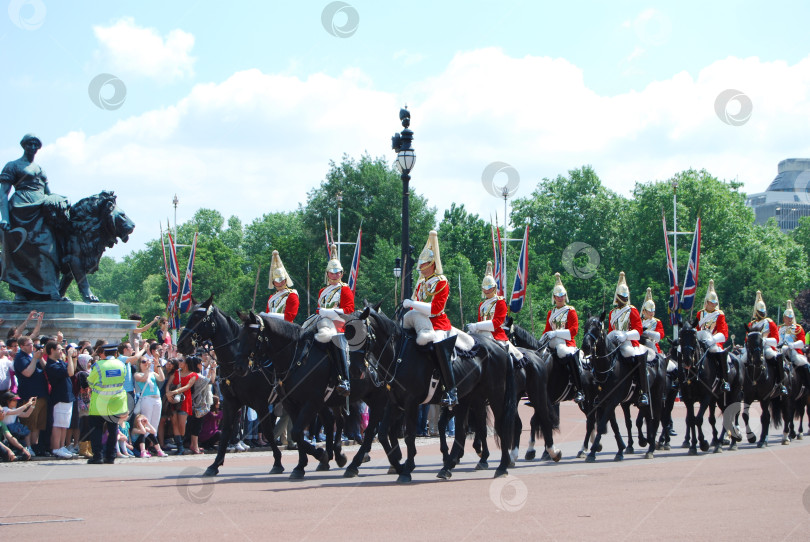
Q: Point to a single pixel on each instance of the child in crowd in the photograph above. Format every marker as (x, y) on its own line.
(145, 433)
(124, 447)
(9, 400)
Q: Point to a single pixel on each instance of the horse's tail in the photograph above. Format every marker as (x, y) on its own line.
(507, 429)
(776, 412)
(537, 390)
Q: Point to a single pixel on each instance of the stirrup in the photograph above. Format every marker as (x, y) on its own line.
(642, 400)
(726, 387)
(450, 398)
(343, 388)
(784, 390)
(578, 398)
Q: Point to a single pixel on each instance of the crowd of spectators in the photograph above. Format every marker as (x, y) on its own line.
(173, 400)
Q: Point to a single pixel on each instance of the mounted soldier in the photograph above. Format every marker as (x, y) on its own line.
(429, 300)
(284, 303)
(625, 318)
(334, 300)
(792, 337)
(770, 336)
(713, 320)
(491, 311)
(562, 326)
(654, 331)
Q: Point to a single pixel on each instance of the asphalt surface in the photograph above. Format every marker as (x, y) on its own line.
(749, 494)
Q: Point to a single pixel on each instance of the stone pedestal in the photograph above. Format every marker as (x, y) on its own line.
(76, 320)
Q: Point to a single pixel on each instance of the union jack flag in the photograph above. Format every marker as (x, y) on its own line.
(174, 284)
(521, 276)
(185, 296)
(672, 307)
(691, 280)
(355, 261)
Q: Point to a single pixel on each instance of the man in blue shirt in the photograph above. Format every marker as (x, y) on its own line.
(29, 367)
(59, 372)
(130, 358)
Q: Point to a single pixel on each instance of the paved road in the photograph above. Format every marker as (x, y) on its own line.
(748, 494)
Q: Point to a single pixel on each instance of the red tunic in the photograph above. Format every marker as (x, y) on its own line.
(291, 304)
(797, 332)
(571, 324)
(497, 313)
(334, 299)
(659, 328)
(435, 290)
(635, 323)
(717, 326)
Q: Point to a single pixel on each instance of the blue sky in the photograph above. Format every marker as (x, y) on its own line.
(240, 106)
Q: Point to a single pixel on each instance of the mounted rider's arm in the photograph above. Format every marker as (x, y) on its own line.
(632, 335)
(291, 307)
(418, 306)
(332, 314)
(483, 325)
(281, 316)
(346, 300)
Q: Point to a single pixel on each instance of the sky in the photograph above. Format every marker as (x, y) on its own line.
(240, 106)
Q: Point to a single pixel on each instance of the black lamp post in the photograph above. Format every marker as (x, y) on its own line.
(405, 161)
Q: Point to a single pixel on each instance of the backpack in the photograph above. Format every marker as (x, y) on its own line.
(201, 396)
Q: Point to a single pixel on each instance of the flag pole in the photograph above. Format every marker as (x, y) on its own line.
(460, 303)
(255, 288)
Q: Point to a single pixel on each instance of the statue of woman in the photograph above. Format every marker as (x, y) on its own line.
(31, 253)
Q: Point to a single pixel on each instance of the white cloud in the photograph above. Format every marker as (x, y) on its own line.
(129, 48)
(256, 142)
(408, 59)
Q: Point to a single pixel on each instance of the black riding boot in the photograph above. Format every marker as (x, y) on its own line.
(444, 356)
(724, 371)
(644, 385)
(804, 375)
(342, 365)
(576, 376)
(780, 374)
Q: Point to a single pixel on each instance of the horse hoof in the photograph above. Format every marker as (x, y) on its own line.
(351, 472)
(785, 442)
(649, 455)
(297, 474)
(322, 466)
(642, 442)
(341, 460)
(530, 455)
(799, 437)
(500, 472)
(752, 439)
(209, 472)
(481, 465)
(619, 457)
(667, 447)
(444, 474)
(392, 470)
(366, 458)
(556, 457)
(630, 450)
(704, 446)
(692, 450)
(590, 458)
(726, 441)
(685, 444)
(580, 454)
(717, 449)
(404, 479)
(760, 444)
(545, 456)
(277, 469)
(598, 448)
(733, 447)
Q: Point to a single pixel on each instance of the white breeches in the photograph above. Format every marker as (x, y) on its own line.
(439, 335)
(563, 350)
(627, 350)
(651, 353)
(671, 366)
(794, 356)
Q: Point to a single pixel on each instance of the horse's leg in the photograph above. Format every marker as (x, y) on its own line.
(376, 405)
(691, 428)
(602, 416)
(614, 424)
(479, 413)
(765, 420)
(329, 419)
(442, 426)
(229, 411)
(590, 428)
(628, 422)
(267, 421)
(337, 439)
(410, 443)
(460, 411)
(387, 433)
(704, 444)
(716, 441)
(300, 420)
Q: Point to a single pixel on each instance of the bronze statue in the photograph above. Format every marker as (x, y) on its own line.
(43, 248)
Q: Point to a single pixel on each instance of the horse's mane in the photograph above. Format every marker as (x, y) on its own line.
(526, 337)
(233, 324)
(389, 327)
(287, 331)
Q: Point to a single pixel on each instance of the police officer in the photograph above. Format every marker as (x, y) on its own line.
(108, 403)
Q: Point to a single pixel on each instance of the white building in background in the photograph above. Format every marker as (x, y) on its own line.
(787, 198)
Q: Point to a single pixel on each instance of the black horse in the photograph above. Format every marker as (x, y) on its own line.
(759, 384)
(793, 404)
(207, 322)
(302, 376)
(484, 372)
(700, 374)
(613, 377)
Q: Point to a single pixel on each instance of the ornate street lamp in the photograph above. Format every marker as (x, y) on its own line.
(397, 275)
(406, 158)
